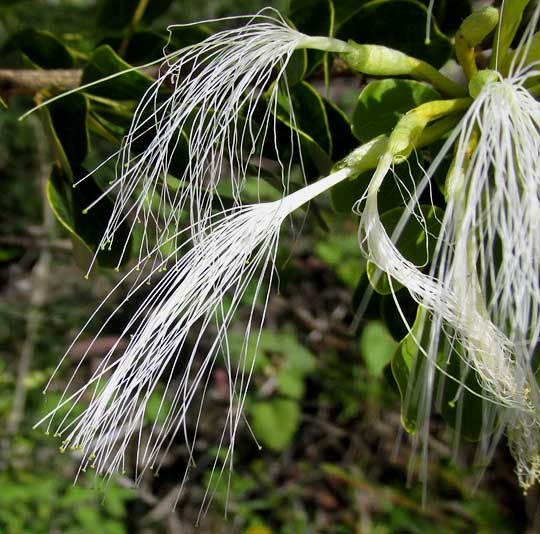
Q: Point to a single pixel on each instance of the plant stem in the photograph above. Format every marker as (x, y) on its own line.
(137, 16)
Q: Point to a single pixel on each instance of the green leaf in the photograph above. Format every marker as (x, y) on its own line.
(345, 9)
(298, 359)
(416, 242)
(343, 140)
(393, 318)
(275, 422)
(179, 144)
(313, 17)
(69, 204)
(117, 14)
(310, 114)
(143, 46)
(296, 67)
(345, 194)
(182, 36)
(157, 407)
(252, 358)
(104, 62)
(316, 160)
(341, 252)
(399, 24)
(3, 103)
(377, 347)
(311, 126)
(68, 120)
(42, 48)
(407, 361)
(383, 102)
(290, 384)
(460, 408)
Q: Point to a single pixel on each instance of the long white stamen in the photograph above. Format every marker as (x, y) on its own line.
(175, 338)
(483, 289)
(214, 114)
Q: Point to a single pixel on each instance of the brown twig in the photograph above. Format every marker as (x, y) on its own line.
(31, 81)
(34, 80)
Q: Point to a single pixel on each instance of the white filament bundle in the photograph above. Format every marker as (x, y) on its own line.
(483, 289)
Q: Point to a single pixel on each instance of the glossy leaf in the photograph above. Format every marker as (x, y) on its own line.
(399, 24)
(393, 318)
(462, 409)
(407, 361)
(178, 159)
(345, 194)
(182, 36)
(312, 125)
(383, 102)
(42, 48)
(313, 17)
(104, 62)
(343, 141)
(68, 119)
(345, 9)
(69, 204)
(310, 114)
(296, 67)
(143, 46)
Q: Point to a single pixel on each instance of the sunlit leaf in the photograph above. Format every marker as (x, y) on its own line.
(275, 422)
(383, 102)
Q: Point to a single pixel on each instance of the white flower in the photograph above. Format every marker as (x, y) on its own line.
(214, 109)
(235, 248)
(483, 289)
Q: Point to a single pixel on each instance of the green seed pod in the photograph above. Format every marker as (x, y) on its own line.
(477, 26)
(474, 29)
(376, 60)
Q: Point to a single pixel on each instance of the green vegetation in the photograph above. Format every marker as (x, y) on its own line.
(323, 446)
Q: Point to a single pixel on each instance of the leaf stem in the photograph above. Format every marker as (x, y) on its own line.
(137, 16)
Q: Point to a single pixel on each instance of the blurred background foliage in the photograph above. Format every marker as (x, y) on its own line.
(323, 407)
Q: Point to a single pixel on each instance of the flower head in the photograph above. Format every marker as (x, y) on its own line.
(175, 337)
(482, 291)
(207, 103)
